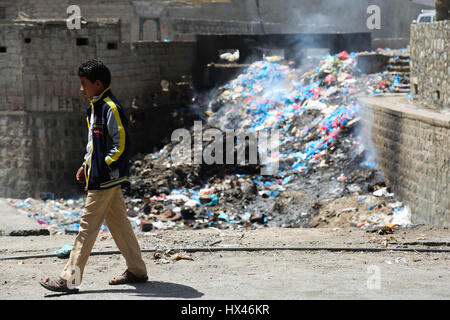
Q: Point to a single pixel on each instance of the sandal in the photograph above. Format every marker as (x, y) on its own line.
(127, 277)
(59, 285)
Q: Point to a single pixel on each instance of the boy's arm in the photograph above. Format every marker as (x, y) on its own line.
(116, 132)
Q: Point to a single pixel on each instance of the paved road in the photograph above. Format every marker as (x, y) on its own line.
(243, 275)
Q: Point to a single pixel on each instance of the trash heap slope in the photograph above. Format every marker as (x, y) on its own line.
(321, 158)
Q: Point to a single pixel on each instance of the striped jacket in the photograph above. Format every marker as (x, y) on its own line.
(106, 162)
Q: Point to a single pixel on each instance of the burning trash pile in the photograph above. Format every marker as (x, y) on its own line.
(324, 174)
(320, 157)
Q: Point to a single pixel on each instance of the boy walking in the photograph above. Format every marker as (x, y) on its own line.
(104, 171)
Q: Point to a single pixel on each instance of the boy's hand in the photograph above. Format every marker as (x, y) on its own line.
(80, 175)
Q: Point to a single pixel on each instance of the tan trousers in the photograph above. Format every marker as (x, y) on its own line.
(103, 205)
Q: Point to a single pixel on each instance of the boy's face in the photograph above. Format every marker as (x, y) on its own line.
(91, 89)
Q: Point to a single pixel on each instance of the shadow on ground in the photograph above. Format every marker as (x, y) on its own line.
(150, 289)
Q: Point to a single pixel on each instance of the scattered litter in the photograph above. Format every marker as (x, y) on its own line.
(400, 260)
(180, 256)
(64, 252)
(59, 216)
(381, 192)
(402, 216)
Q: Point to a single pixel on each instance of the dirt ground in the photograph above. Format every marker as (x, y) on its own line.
(246, 275)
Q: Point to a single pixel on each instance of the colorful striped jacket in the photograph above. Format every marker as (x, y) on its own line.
(106, 163)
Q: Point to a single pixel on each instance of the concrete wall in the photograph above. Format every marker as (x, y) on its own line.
(413, 152)
(43, 130)
(290, 16)
(430, 64)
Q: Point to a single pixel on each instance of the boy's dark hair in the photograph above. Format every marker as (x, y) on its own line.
(95, 70)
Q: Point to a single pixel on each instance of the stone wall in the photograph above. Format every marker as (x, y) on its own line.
(430, 64)
(43, 130)
(413, 152)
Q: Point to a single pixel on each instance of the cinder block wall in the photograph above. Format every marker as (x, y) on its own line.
(413, 152)
(43, 130)
(15, 136)
(137, 70)
(11, 87)
(430, 63)
(54, 110)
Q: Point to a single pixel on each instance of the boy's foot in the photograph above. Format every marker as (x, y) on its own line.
(127, 277)
(58, 285)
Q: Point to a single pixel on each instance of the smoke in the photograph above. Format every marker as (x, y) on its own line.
(331, 17)
(365, 131)
(311, 23)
